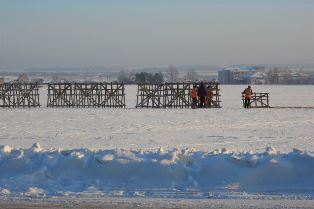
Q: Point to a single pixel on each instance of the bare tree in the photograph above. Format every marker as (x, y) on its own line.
(191, 75)
(55, 78)
(172, 73)
(123, 77)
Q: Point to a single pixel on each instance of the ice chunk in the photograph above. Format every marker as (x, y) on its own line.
(35, 192)
(36, 147)
(5, 149)
(105, 159)
(273, 161)
(78, 155)
(4, 192)
(296, 150)
(161, 150)
(271, 151)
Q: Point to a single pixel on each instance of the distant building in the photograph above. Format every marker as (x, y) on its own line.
(236, 75)
(224, 76)
(258, 78)
(311, 77)
(1, 81)
(298, 77)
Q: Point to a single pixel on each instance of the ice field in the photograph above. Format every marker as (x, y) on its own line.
(228, 152)
(230, 127)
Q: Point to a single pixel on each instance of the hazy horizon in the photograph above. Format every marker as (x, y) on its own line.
(145, 33)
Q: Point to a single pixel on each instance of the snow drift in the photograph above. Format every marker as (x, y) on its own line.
(36, 171)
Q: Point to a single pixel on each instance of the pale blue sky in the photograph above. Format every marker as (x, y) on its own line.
(138, 33)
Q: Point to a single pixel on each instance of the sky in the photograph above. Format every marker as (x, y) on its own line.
(154, 33)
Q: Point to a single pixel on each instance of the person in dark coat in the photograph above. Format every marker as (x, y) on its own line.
(201, 93)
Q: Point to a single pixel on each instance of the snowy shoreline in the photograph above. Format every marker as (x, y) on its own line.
(150, 203)
(36, 172)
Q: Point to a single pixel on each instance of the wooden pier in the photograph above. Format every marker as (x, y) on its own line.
(19, 95)
(258, 100)
(172, 95)
(110, 95)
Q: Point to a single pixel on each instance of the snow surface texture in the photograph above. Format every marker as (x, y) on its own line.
(38, 172)
(147, 152)
(231, 127)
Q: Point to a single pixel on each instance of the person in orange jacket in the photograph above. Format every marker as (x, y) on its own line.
(194, 96)
(209, 96)
(247, 96)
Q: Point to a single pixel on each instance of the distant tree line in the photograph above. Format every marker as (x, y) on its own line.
(170, 74)
(141, 77)
(145, 77)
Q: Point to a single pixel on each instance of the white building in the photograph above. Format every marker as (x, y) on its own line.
(236, 75)
(258, 78)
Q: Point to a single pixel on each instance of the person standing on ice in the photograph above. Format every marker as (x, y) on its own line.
(194, 96)
(209, 96)
(247, 96)
(201, 93)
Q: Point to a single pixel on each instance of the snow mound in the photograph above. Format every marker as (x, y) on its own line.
(36, 147)
(4, 192)
(35, 192)
(105, 159)
(5, 149)
(38, 172)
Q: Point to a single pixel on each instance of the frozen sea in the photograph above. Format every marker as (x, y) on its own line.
(225, 153)
(230, 127)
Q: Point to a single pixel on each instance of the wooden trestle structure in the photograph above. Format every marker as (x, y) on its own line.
(19, 95)
(110, 95)
(172, 95)
(258, 100)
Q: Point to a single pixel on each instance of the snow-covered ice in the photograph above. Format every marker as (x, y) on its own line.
(199, 153)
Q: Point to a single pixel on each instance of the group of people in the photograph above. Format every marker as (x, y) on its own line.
(202, 94)
(205, 96)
